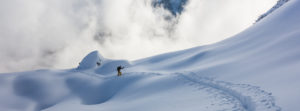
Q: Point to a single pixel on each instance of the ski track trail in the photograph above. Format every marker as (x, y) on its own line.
(243, 97)
(251, 98)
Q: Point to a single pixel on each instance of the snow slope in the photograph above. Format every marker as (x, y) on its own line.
(256, 70)
(277, 5)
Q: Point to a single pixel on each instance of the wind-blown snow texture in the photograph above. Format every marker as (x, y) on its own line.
(256, 70)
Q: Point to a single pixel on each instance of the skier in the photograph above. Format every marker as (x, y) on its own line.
(119, 70)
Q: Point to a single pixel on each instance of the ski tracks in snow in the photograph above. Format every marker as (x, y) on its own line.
(244, 97)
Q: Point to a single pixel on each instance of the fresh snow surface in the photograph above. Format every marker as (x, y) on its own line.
(256, 70)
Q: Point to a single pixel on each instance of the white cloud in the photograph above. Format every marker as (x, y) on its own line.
(59, 33)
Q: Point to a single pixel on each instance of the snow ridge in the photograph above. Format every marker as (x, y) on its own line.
(276, 6)
(252, 98)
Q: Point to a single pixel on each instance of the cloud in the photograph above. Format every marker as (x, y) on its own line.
(38, 34)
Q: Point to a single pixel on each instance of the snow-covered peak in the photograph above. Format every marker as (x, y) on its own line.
(92, 60)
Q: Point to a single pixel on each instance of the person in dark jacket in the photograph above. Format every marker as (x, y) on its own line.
(119, 70)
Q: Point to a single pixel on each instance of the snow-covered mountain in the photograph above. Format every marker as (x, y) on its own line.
(255, 70)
